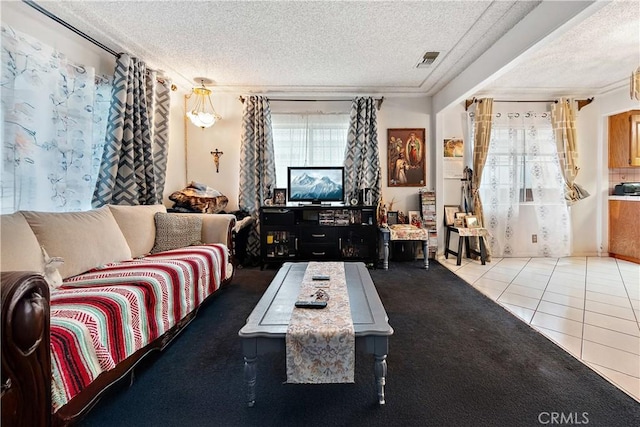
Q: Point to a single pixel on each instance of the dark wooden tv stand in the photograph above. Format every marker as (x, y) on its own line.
(318, 232)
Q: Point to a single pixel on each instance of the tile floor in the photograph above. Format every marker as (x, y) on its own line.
(590, 306)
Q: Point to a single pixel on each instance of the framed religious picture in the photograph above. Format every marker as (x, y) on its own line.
(406, 158)
(280, 196)
(415, 219)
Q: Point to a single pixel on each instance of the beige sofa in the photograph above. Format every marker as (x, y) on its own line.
(55, 265)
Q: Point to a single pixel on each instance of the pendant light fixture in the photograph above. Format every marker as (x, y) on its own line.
(202, 113)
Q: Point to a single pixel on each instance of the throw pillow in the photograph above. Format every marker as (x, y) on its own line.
(20, 249)
(176, 231)
(85, 240)
(138, 226)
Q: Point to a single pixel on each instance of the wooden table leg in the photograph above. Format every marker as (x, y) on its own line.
(460, 250)
(447, 237)
(483, 250)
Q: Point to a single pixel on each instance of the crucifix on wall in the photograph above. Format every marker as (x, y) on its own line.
(216, 158)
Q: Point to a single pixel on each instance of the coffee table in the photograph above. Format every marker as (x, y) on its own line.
(266, 327)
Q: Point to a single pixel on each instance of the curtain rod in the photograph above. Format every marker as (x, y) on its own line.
(69, 26)
(378, 101)
(83, 35)
(581, 102)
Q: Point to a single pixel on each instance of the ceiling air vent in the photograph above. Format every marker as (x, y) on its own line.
(427, 59)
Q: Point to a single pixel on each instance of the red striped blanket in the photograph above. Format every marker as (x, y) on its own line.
(101, 317)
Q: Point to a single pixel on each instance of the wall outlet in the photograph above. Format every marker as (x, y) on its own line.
(534, 238)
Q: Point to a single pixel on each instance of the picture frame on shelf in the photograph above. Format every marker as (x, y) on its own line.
(458, 222)
(415, 218)
(406, 157)
(392, 217)
(280, 196)
(450, 214)
(471, 221)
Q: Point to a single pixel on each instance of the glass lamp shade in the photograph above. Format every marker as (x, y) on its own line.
(201, 118)
(202, 114)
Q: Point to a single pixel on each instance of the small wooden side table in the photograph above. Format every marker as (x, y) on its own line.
(464, 234)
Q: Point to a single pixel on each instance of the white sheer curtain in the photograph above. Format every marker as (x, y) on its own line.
(308, 140)
(54, 119)
(523, 190)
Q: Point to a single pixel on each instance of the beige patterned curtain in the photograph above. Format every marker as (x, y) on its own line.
(482, 137)
(563, 120)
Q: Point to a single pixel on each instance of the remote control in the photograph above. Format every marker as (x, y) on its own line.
(311, 304)
(321, 277)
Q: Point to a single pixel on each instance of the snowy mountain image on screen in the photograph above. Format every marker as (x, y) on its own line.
(305, 186)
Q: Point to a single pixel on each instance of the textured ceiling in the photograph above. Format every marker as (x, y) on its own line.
(355, 47)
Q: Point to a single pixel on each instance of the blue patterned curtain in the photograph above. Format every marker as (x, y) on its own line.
(134, 159)
(54, 116)
(361, 159)
(257, 163)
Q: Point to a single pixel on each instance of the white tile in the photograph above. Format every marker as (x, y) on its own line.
(612, 358)
(569, 276)
(576, 261)
(624, 382)
(572, 345)
(530, 283)
(635, 303)
(524, 314)
(612, 323)
(525, 291)
(563, 299)
(492, 284)
(607, 299)
(561, 310)
(547, 269)
(611, 338)
(501, 276)
(610, 310)
(618, 291)
(468, 276)
(519, 300)
(514, 262)
(564, 290)
(633, 291)
(542, 262)
(558, 324)
(534, 275)
(489, 292)
(609, 280)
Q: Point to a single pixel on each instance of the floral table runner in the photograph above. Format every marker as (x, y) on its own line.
(321, 342)
(408, 232)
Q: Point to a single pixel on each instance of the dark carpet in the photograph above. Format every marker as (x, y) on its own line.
(456, 359)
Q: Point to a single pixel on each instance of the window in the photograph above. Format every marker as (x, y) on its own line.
(308, 140)
(518, 155)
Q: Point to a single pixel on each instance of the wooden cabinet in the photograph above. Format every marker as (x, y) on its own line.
(624, 233)
(624, 139)
(314, 233)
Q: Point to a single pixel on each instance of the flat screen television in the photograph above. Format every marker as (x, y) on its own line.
(315, 184)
